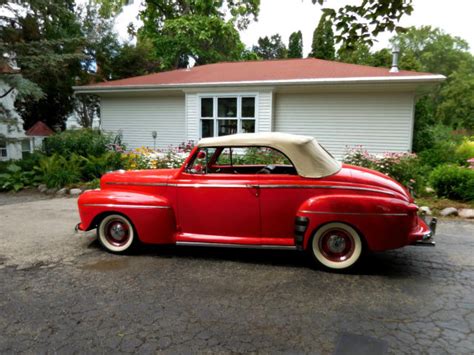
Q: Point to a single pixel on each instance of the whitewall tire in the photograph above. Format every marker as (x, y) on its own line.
(116, 233)
(336, 246)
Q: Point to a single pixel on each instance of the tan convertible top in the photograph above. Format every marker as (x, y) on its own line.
(308, 157)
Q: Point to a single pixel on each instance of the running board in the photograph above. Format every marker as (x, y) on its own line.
(241, 246)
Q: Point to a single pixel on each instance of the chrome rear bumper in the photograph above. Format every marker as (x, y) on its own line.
(427, 240)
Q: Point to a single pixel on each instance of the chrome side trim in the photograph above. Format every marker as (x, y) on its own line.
(356, 213)
(197, 185)
(325, 187)
(240, 246)
(244, 186)
(122, 206)
(137, 183)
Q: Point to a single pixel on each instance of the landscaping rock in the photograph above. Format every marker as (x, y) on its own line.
(449, 211)
(51, 191)
(62, 191)
(75, 192)
(466, 213)
(425, 210)
(429, 190)
(42, 188)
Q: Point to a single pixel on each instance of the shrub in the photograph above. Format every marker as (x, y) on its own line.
(14, 178)
(57, 171)
(402, 167)
(94, 167)
(453, 182)
(85, 142)
(465, 151)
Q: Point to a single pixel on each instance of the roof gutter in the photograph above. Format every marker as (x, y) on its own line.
(435, 78)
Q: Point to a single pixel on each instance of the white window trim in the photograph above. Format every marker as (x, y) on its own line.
(6, 151)
(215, 118)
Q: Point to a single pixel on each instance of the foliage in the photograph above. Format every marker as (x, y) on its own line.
(440, 148)
(364, 20)
(270, 48)
(57, 171)
(84, 142)
(94, 167)
(43, 39)
(295, 45)
(198, 29)
(402, 167)
(206, 39)
(453, 182)
(465, 151)
(359, 53)
(456, 98)
(322, 46)
(14, 178)
(87, 107)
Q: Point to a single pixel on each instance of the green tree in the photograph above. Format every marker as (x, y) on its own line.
(363, 21)
(432, 50)
(197, 29)
(322, 46)
(295, 45)
(456, 107)
(270, 48)
(42, 38)
(358, 53)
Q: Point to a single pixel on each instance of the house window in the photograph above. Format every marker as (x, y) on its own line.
(224, 115)
(3, 148)
(25, 148)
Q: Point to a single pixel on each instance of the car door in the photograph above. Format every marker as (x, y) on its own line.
(218, 207)
(280, 198)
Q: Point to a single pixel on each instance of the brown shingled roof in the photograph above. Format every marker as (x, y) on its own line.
(256, 71)
(39, 129)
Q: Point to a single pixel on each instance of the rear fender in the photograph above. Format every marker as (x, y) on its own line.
(152, 216)
(383, 222)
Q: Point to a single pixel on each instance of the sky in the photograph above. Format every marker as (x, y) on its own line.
(286, 16)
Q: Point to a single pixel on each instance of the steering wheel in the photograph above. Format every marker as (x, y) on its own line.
(269, 169)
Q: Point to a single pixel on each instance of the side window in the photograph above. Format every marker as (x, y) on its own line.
(259, 156)
(251, 160)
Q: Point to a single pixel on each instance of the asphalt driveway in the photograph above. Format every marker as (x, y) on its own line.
(60, 293)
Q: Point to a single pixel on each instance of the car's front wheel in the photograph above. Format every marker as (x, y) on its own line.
(116, 233)
(336, 246)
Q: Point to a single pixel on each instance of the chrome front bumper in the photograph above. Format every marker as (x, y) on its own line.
(427, 239)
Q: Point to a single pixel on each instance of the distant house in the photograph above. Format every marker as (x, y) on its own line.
(36, 134)
(339, 104)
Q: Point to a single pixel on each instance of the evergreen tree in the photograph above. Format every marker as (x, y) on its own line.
(323, 41)
(295, 45)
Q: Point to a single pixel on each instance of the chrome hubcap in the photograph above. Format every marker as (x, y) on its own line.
(117, 231)
(336, 243)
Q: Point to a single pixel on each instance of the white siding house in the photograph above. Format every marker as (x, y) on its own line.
(342, 105)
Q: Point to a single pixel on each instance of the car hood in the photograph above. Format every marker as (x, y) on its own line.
(370, 178)
(139, 177)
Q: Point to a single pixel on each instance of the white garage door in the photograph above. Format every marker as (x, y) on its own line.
(378, 122)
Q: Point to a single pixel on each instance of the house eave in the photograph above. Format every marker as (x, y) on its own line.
(415, 79)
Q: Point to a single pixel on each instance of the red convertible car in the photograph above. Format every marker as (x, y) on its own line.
(263, 190)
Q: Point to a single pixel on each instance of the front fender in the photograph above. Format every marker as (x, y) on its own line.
(384, 222)
(152, 216)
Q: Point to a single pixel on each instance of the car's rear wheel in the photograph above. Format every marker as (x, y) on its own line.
(116, 233)
(336, 246)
